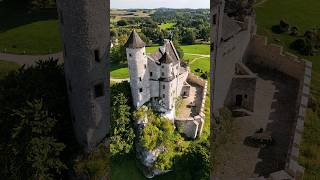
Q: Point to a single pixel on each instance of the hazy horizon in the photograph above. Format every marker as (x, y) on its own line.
(154, 4)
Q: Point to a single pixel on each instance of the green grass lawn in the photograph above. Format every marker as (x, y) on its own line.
(202, 63)
(305, 15)
(166, 25)
(120, 73)
(203, 49)
(41, 37)
(25, 31)
(6, 67)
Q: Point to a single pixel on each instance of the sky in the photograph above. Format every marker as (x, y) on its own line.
(151, 4)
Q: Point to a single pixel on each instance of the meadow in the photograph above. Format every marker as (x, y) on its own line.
(24, 32)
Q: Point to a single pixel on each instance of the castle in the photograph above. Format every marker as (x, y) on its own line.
(158, 78)
(235, 46)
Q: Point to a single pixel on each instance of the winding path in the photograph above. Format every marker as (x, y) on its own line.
(202, 55)
(29, 59)
(119, 80)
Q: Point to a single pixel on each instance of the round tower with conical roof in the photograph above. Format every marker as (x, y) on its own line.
(138, 69)
(84, 33)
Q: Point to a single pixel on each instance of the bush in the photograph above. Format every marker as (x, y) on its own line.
(284, 25)
(150, 137)
(122, 22)
(204, 75)
(95, 165)
(298, 45)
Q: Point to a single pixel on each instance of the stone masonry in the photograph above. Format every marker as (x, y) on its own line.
(84, 32)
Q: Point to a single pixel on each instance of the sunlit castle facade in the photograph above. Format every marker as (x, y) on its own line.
(158, 78)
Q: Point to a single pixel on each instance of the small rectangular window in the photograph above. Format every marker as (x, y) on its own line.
(163, 95)
(163, 87)
(98, 90)
(65, 50)
(145, 66)
(69, 85)
(140, 78)
(162, 66)
(130, 55)
(140, 90)
(162, 73)
(214, 19)
(97, 55)
(150, 73)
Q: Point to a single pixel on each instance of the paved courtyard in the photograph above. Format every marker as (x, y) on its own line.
(274, 111)
(195, 97)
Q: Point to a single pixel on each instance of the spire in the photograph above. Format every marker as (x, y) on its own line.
(134, 41)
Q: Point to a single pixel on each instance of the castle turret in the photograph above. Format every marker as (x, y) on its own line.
(84, 32)
(138, 69)
(167, 83)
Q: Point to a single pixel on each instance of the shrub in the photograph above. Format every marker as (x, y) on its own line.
(95, 165)
(150, 137)
(204, 75)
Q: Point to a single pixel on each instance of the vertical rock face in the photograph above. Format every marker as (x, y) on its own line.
(84, 32)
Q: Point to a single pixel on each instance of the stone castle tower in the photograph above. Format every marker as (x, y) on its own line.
(84, 32)
(138, 67)
(217, 13)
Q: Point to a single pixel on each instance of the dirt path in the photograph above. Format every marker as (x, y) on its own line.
(202, 55)
(119, 80)
(29, 59)
(260, 3)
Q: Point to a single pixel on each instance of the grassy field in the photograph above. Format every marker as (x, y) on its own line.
(6, 67)
(196, 61)
(22, 31)
(166, 25)
(41, 37)
(305, 15)
(203, 49)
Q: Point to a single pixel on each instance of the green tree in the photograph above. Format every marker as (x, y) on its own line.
(122, 22)
(45, 80)
(188, 37)
(122, 135)
(36, 151)
(195, 162)
(118, 54)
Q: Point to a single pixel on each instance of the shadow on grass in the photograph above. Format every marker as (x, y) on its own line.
(276, 29)
(14, 13)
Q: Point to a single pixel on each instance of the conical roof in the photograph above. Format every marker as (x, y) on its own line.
(166, 58)
(134, 41)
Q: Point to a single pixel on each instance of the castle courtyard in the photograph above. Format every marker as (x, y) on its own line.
(274, 111)
(191, 105)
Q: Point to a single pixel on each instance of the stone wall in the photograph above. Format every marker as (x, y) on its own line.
(292, 166)
(193, 126)
(273, 57)
(230, 53)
